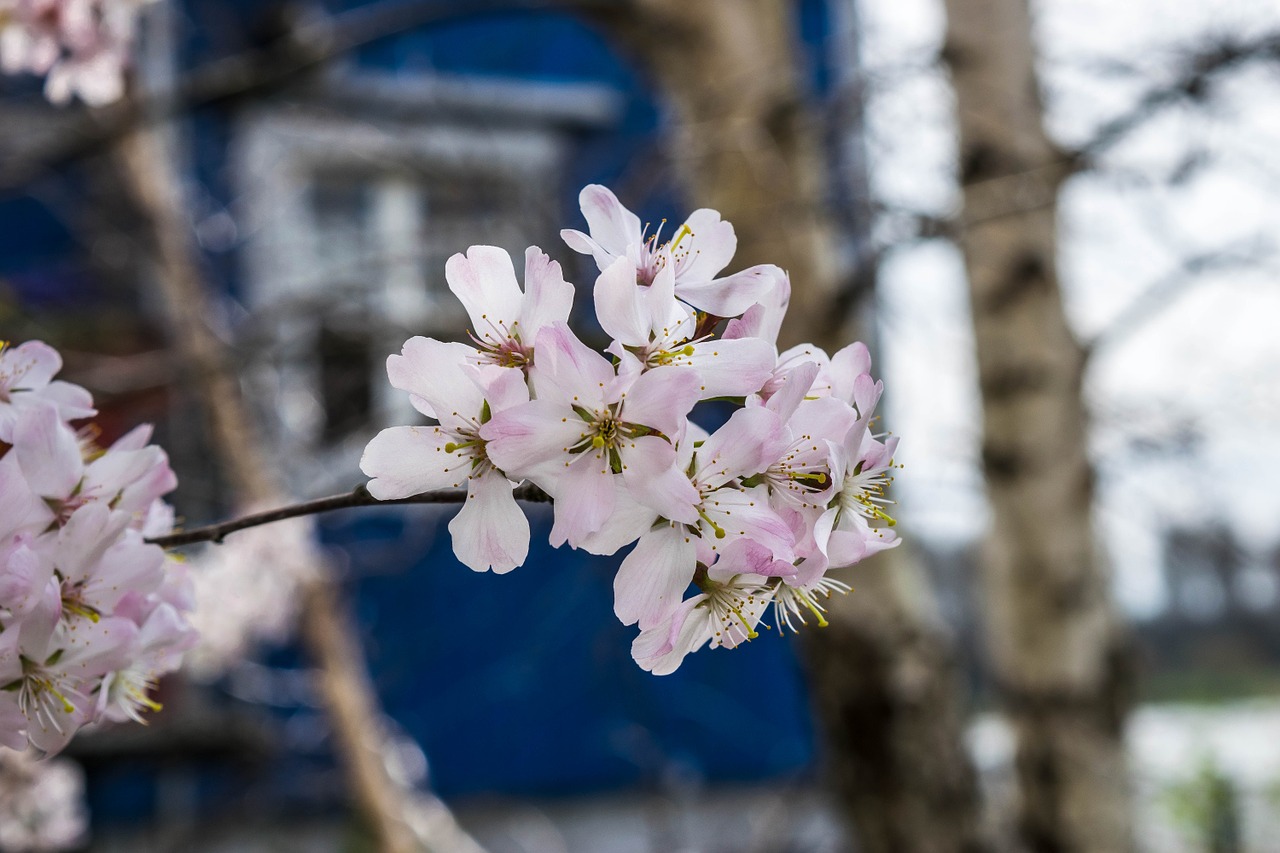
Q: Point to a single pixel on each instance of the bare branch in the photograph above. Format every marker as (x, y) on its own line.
(357, 497)
(1164, 291)
(1192, 84)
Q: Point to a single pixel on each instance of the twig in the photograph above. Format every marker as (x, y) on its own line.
(359, 496)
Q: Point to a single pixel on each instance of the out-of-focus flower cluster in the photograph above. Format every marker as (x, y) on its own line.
(41, 803)
(90, 614)
(753, 514)
(247, 593)
(81, 47)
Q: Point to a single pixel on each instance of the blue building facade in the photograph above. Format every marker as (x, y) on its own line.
(325, 210)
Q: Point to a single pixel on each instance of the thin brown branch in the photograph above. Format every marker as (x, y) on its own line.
(1162, 293)
(357, 497)
(1198, 72)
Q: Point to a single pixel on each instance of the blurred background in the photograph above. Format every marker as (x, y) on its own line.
(1056, 228)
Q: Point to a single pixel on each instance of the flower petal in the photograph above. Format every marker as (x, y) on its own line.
(732, 368)
(661, 649)
(734, 294)
(612, 226)
(568, 371)
(653, 577)
(661, 398)
(532, 433)
(548, 298)
(484, 280)
(622, 313)
(431, 371)
(490, 531)
(407, 460)
(749, 442)
(652, 477)
(47, 452)
(584, 498)
(711, 244)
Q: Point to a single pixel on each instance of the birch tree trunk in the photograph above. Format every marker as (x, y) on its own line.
(1058, 649)
(746, 144)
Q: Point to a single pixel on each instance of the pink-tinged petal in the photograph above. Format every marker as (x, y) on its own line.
(125, 568)
(846, 366)
(116, 469)
(19, 506)
(866, 395)
(24, 577)
(140, 497)
(652, 477)
(51, 736)
(612, 226)
(47, 452)
(734, 294)
(484, 280)
(749, 442)
(408, 460)
(568, 371)
(653, 577)
(732, 368)
(846, 547)
(530, 434)
(669, 318)
(13, 723)
(661, 649)
(584, 498)
(490, 531)
(747, 513)
(73, 402)
(29, 366)
(662, 398)
(789, 388)
(711, 244)
(135, 439)
(746, 556)
(825, 419)
(764, 319)
(96, 648)
(622, 313)
(88, 533)
(629, 521)
(584, 245)
(548, 298)
(503, 387)
(431, 371)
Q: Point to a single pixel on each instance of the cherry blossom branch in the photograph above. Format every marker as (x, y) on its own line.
(357, 497)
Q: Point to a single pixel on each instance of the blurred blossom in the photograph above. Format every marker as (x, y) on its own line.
(41, 803)
(246, 592)
(81, 47)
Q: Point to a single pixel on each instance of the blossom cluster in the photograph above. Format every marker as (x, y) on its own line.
(41, 803)
(81, 47)
(90, 613)
(751, 515)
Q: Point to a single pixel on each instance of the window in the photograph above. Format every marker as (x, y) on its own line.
(349, 221)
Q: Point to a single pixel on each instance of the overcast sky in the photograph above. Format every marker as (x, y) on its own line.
(1205, 364)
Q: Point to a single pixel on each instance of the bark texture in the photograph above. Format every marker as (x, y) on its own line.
(1058, 649)
(153, 182)
(746, 143)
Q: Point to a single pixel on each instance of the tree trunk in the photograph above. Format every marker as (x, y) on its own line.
(1058, 650)
(745, 143)
(153, 182)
